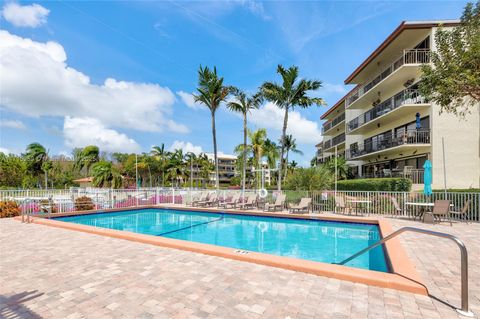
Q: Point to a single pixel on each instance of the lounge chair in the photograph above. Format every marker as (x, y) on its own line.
(232, 202)
(304, 205)
(250, 203)
(463, 213)
(396, 207)
(340, 205)
(279, 203)
(212, 200)
(441, 208)
(203, 198)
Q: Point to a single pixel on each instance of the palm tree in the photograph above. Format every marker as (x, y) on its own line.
(106, 175)
(35, 156)
(257, 145)
(191, 159)
(342, 167)
(243, 104)
(87, 157)
(177, 167)
(162, 156)
(206, 166)
(290, 145)
(211, 93)
(291, 93)
(272, 153)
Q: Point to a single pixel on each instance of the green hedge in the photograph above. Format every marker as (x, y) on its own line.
(397, 184)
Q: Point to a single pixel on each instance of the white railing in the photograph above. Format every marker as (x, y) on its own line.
(415, 56)
(377, 203)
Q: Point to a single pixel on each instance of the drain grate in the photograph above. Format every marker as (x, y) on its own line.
(243, 252)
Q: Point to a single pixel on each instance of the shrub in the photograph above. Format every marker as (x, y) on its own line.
(309, 179)
(9, 209)
(84, 203)
(396, 184)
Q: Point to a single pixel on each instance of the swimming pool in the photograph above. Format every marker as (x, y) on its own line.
(315, 240)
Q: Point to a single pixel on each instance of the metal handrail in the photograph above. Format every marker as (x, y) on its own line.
(464, 311)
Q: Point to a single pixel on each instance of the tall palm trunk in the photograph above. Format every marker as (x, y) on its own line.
(282, 152)
(286, 166)
(214, 133)
(244, 173)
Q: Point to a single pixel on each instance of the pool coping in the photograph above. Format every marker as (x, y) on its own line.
(403, 274)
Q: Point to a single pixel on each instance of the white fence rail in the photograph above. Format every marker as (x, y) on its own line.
(376, 203)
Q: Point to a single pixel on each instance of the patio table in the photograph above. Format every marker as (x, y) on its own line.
(359, 202)
(423, 208)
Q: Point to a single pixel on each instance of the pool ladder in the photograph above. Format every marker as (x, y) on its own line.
(464, 311)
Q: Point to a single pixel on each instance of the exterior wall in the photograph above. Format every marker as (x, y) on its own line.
(462, 149)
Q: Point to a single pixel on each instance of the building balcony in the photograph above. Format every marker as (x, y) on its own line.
(333, 123)
(405, 67)
(393, 144)
(336, 141)
(396, 106)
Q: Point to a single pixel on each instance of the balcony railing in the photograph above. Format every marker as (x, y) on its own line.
(421, 136)
(408, 96)
(416, 56)
(328, 125)
(415, 175)
(334, 141)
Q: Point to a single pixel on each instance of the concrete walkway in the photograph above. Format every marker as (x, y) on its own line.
(47, 272)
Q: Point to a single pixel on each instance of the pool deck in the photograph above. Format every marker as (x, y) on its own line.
(51, 272)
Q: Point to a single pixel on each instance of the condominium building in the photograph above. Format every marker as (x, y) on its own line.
(227, 165)
(333, 131)
(391, 130)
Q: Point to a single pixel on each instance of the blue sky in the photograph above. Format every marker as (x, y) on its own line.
(54, 87)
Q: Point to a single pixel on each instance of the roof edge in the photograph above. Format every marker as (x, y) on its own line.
(404, 25)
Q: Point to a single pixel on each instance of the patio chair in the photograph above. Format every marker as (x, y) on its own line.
(279, 203)
(304, 205)
(234, 200)
(441, 208)
(202, 199)
(250, 203)
(212, 200)
(340, 204)
(464, 212)
(396, 207)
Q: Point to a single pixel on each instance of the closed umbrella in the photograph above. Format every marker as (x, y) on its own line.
(427, 178)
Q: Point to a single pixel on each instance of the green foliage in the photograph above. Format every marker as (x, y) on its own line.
(86, 157)
(292, 92)
(106, 175)
(211, 92)
(342, 167)
(309, 179)
(399, 184)
(453, 79)
(9, 209)
(12, 170)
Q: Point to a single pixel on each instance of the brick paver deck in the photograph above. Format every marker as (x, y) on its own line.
(47, 272)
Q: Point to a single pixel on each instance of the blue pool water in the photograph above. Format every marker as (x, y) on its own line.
(324, 241)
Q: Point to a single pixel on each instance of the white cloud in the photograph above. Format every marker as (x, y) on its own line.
(31, 16)
(255, 7)
(80, 132)
(303, 130)
(4, 150)
(333, 88)
(37, 81)
(189, 100)
(186, 147)
(15, 124)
